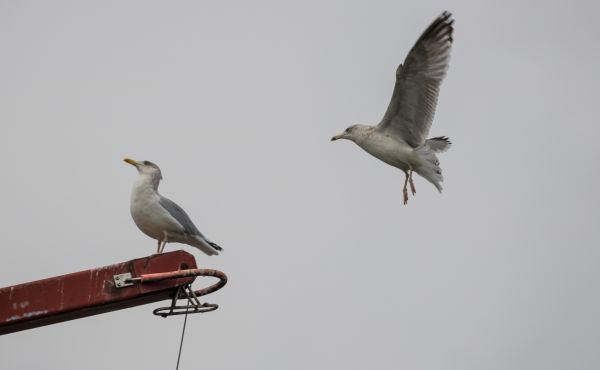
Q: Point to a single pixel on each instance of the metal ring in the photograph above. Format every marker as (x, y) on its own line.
(151, 278)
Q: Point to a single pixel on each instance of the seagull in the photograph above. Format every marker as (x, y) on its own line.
(400, 139)
(159, 217)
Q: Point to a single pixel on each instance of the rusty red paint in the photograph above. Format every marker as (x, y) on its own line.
(89, 292)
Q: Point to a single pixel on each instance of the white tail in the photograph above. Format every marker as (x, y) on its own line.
(204, 245)
(429, 167)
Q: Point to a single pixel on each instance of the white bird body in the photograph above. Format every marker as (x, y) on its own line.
(159, 217)
(147, 213)
(386, 148)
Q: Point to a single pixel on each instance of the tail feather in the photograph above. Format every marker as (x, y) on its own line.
(430, 166)
(215, 245)
(205, 245)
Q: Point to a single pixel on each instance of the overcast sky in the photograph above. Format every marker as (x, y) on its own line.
(237, 101)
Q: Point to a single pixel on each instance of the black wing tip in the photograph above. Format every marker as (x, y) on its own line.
(442, 138)
(444, 22)
(216, 246)
(440, 27)
(445, 17)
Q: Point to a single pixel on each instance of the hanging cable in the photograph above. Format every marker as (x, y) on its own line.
(182, 334)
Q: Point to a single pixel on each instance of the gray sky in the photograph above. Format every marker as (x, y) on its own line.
(236, 101)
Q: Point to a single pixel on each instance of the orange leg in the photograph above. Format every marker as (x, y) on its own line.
(404, 190)
(410, 180)
(162, 243)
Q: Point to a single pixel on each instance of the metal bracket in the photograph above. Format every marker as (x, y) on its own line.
(193, 304)
(123, 280)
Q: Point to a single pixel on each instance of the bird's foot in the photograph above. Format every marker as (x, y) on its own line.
(405, 194)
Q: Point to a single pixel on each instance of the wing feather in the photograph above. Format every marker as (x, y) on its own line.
(180, 215)
(412, 107)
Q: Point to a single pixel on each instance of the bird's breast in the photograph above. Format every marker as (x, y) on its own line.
(389, 150)
(150, 217)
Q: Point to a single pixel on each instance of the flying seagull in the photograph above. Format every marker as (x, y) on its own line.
(400, 139)
(159, 217)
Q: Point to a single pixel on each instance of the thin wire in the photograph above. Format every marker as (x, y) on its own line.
(182, 334)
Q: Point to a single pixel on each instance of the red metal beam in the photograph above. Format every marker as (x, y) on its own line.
(89, 292)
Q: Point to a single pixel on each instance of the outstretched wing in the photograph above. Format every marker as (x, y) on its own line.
(411, 110)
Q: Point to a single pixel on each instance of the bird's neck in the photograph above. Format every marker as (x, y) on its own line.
(363, 135)
(146, 183)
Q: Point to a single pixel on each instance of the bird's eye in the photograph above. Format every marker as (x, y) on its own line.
(348, 130)
(146, 163)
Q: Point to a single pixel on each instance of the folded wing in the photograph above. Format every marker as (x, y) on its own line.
(180, 215)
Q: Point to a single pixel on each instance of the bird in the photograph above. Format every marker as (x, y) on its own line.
(400, 139)
(160, 218)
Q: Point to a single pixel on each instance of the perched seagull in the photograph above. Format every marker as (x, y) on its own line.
(159, 217)
(400, 139)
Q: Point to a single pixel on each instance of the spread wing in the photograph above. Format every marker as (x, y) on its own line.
(411, 110)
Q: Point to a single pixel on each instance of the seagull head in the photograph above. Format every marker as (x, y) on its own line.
(146, 168)
(354, 133)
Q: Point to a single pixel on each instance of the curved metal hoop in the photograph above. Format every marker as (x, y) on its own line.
(185, 291)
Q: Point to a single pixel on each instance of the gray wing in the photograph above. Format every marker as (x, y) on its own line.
(411, 110)
(179, 214)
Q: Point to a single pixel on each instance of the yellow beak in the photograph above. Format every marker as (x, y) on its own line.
(131, 161)
(337, 137)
